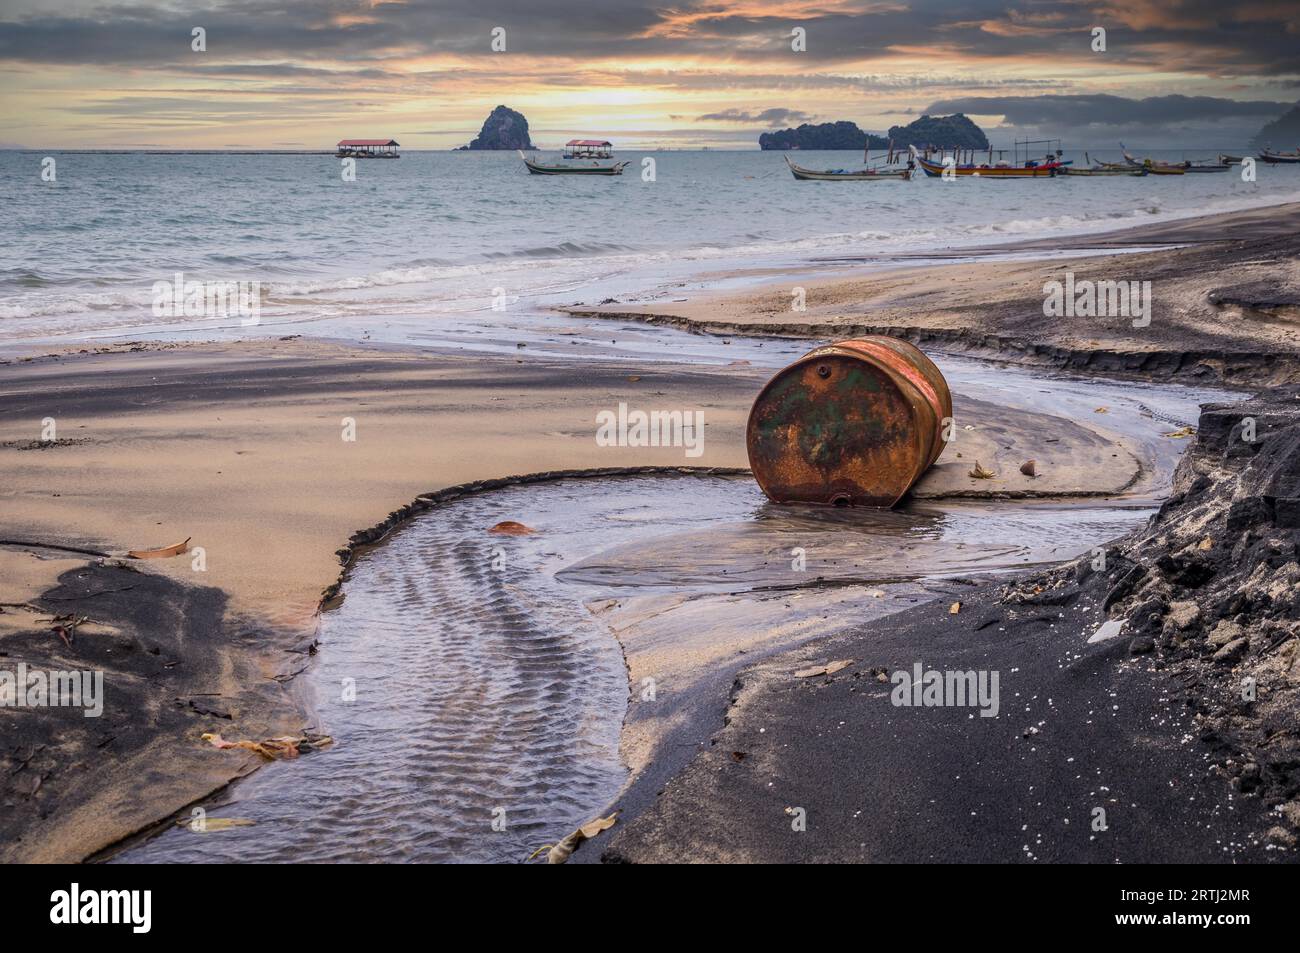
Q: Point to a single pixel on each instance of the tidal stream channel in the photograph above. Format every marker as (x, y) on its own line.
(469, 678)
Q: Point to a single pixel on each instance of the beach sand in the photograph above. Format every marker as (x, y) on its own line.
(239, 449)
(1225, 308)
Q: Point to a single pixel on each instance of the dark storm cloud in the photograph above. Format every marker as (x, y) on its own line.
(1256, 38)
(775, 116)
(1154, 111)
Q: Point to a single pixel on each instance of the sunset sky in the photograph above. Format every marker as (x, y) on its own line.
(682, 73)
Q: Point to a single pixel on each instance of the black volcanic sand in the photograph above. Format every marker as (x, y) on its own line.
(1150, 726)
(174, 666)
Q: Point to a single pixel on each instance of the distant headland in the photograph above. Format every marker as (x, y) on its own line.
(947, 132)
(1282, 133)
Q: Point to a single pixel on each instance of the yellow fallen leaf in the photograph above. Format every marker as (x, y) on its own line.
(559, 853)
(1101, 410)
(175, 549)
(979, 473)
(954, 608)
(273, 749)
(592, 828)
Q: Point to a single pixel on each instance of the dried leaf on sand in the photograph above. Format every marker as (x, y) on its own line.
(830, 668)
(559, 853)
(1182, 432)
(511, 528)
(979, 473)
(175, 549)
(273, 749)
(954, 608)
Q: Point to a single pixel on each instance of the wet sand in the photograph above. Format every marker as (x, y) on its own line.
(1170, 740)
(239, 448)
(1225, 309)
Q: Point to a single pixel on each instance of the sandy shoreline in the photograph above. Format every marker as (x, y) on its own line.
(240, 448)
(1224, 308)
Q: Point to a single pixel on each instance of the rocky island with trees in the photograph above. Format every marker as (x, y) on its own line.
(946, 132)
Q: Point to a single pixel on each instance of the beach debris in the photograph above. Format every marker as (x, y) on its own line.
(1029, 468)
(634, 378)
(1107, 630)
(65, 626)
(175, 549)
(285, 748)
(511, 528)
(1101, 410)
(876, 593)
(1206, 543)
(1182, 432)
(559, 853)
(808, 439)
(954, 608)
(979, 473)
(212, 824)
(830, 668)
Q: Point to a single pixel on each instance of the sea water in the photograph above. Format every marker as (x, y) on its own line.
(437, 233)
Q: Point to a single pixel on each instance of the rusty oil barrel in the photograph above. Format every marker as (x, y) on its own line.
(854, 423)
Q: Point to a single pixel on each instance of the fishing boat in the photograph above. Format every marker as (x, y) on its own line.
(1206, 166)
(1031, 169)
(1226, 158)
(847, 175)
(1153, 167)
(1070, 170)
(1101, 168)
(1279, 158)
(538, 168)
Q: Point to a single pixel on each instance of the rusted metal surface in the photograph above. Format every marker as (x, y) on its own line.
(854, 423)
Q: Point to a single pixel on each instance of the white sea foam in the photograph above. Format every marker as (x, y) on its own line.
(437, 235)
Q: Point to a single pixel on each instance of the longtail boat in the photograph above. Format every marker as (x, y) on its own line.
(537, 168)
(1070, 170)
(1153, 167)
(1102, 169)
(847, 175)
(1279, 158)
(1032, 169)
(1226, 158)
(1207, 166)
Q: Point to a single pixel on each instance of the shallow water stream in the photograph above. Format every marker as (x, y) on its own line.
(468, 678)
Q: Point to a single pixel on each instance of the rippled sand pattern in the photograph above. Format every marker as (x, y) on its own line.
(477, 689)
(483, 684)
